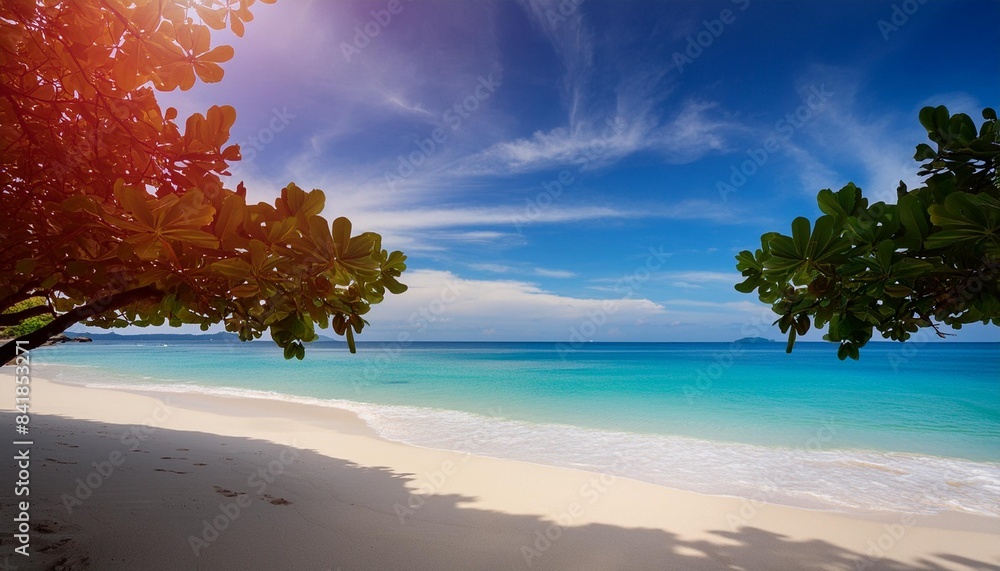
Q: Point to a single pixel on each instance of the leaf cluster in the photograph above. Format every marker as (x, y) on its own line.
(116, 215)
(932, 257)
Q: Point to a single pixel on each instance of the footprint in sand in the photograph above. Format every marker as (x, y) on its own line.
(171, 458)
(58, 461)
(182, 449)
(277, 501)
(46, 526)
(227, 493)
(200, 464)
(171, 471)
(78, 562)
(55, 545)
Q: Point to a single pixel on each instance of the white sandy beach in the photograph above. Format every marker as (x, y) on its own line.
(123, 480)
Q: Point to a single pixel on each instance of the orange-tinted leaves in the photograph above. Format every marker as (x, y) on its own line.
(104, 144)
(216, 19)
(230, 218)
(147, 17)
(201, 40)
(133, 201)
(208, 72)
(236, 268)
(218, 54)
(231, 153)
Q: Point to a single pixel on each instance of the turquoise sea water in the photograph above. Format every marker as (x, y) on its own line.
(910, 427)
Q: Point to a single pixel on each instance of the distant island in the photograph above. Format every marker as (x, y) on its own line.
(755, 340)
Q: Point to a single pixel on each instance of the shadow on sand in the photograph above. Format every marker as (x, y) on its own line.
(172, 495)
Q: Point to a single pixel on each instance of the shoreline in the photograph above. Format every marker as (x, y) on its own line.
(350, 422)
(237, 400)
(827, 463)
(441, 490)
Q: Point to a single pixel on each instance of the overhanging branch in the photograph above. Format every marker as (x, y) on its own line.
(110, 303)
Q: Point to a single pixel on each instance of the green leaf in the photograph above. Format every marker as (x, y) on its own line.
(913, 216)
(295, 202)
(924, 152)
(25, 266)
(883, 255)
(341, 235)
(940, 118)
(746, 286)
(829, 204)
(350, 341)
(853, 351)
(397, 288)
(802, 324)
(897, 290)
(908, 268)
(842, 351)
(800, 236)
(948, 238)
(927, 119)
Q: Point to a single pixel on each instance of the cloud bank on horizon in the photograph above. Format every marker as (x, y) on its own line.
(561, 169)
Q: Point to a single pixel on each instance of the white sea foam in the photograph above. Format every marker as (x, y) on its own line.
(810, 477)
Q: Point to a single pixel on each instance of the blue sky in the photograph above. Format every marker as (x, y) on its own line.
(559, 170)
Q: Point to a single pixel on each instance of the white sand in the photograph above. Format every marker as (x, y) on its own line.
(149, 479)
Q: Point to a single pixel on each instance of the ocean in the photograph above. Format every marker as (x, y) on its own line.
(910, 427)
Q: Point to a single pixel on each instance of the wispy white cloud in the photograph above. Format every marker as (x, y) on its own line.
(702, 276)
(591, 144)
(812, 173)
(445, 305)
(600, 130)
(463, 305)
(548, 273)
(847, 143)
(494, 268)
(504, 269)
(721, 306)
(421, 219)
(397, 102)
(478, 237)
(691, 277)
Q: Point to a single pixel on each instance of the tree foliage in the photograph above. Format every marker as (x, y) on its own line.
(933, 257)
(115, 215)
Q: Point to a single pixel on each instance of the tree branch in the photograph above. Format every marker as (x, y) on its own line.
(115, 301)
(7, 319)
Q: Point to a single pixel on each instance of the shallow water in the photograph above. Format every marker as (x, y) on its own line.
(910, 427)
